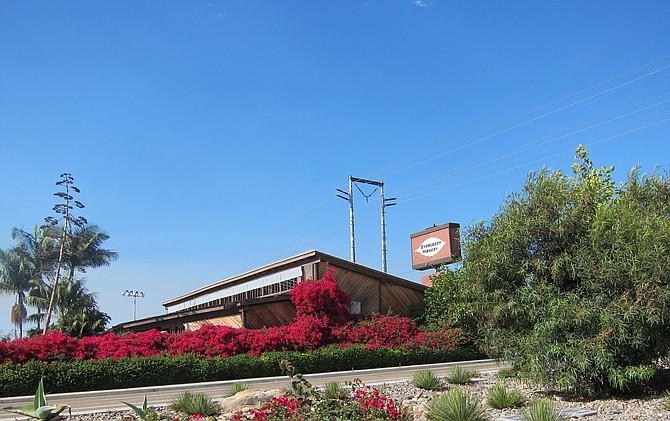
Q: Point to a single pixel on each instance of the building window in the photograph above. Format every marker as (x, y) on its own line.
(264, 291)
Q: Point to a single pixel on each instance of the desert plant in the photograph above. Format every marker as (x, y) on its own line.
(427, 379)
(459, 375)
(500, 397)
(198, 403)
(455, 406)
(40, 409)
(146, 412)
(334, 390)
(542, 410)
(235, 388)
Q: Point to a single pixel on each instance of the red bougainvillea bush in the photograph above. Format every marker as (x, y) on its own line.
(321, 298)
(395, 332)
(322, 318)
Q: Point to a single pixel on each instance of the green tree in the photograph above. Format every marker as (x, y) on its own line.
(573, 275)
(15, 279)
(77, 309)
(37, 253)
(64, 212)
(67, 243)
(452, 300)
(83, 249)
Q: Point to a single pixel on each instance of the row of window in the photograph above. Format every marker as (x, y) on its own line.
(273, 289)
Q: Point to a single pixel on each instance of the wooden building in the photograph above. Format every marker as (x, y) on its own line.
(260, 298)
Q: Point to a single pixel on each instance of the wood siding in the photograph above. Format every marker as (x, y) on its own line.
(397, 299)
(278, 313)
(233, 320)
(360, 287)
(376, 296)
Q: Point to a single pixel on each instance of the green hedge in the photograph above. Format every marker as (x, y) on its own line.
(77, 376)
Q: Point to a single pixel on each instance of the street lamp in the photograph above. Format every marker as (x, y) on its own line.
(135, 295)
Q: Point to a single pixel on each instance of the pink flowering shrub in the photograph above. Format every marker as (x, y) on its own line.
(322, 318)
(51, 346)
(277, 408)
(321, 297)
(377, 406)
(376, 331)
(208, 341)
(446, 339)
(395, 332)
(367, 403)
(142, 344)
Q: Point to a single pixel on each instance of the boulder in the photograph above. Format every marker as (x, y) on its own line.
(249, 399)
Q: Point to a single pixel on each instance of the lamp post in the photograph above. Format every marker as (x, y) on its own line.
(135, 295)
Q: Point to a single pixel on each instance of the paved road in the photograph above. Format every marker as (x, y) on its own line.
(110, 400)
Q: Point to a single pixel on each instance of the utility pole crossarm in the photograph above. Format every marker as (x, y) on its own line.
(349, 196)
(363, 180)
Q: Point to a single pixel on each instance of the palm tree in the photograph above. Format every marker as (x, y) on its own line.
(77, 309)
(36, 254)
(18, 315)
(15, 279)
(37, 251)
(83, 249)
(38, 297)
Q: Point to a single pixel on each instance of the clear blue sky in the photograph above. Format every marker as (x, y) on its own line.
(208, 137)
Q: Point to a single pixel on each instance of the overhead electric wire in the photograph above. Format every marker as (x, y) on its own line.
(524, 123)
(531, 145)
(544, 158)
(383, 139)
(460, 169)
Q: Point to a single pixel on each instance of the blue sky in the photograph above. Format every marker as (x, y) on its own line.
(208, 137)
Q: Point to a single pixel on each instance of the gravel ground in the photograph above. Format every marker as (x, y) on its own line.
(417, 399)
(606, 409)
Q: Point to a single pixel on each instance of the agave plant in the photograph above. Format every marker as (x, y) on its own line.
(40, 409)
(143, 412)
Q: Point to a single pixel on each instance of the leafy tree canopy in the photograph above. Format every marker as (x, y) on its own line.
(27, 270)
(569, 279)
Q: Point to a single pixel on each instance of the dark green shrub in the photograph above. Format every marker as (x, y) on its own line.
(20, 379)
(108, 373)
(570, 278)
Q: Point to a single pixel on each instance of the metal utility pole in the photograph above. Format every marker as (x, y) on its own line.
(384, 204)
(135, 295)
(349, 196)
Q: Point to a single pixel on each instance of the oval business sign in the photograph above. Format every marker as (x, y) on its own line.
(430, 246)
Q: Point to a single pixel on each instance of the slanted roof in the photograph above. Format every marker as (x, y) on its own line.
(311, 256)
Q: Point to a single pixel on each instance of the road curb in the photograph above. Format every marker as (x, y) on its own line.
(147, 389)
